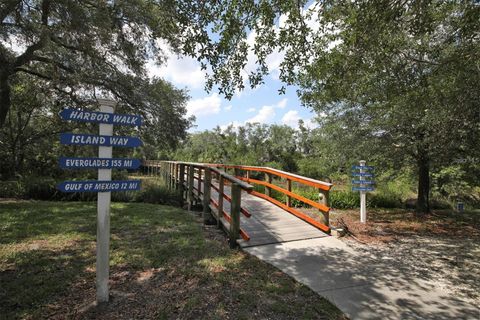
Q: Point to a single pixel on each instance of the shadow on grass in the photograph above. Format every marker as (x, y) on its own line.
(162, 266)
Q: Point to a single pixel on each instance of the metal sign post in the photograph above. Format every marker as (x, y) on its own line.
(104, 186)
(364, 186)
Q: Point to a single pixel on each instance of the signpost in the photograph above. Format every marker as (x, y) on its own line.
(98, 163)
(363, 186)
(105, 140)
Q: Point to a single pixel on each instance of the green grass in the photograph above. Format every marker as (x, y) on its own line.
(163, 265)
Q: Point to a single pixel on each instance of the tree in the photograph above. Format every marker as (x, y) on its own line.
(80, 46)
(402, 76)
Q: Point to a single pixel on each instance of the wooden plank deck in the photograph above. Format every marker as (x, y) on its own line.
(268, 223)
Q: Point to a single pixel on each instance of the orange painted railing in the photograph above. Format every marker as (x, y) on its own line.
(270, 173)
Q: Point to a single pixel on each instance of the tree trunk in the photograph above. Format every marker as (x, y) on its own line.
(5, 99)
(423, 201)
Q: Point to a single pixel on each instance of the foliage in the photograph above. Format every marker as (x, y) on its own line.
(398, 82)
(11, 189)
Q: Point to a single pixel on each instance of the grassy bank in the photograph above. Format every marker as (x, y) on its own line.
(164, 265)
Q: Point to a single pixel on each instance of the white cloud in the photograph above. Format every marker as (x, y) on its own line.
(228, 108)
(264, 115)
(282, 103)
(204, 106)
(251, 110)
(183, 71)
(291, 118)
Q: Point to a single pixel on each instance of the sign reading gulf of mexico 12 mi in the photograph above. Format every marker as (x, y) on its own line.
(105, 140)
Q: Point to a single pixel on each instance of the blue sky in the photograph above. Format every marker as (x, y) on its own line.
(262, 104)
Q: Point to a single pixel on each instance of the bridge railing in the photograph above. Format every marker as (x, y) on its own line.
(243, 173)
(194, 180)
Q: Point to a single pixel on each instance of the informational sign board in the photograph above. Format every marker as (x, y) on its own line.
(104, 186)
(363, 188)
(361, 172)
(99, 140)
(99, 186)
(101, 117)
(363, 182)
(98, 163)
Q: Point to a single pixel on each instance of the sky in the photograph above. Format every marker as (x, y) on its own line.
(262, 104)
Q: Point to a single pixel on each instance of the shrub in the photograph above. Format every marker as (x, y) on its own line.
(11, 189)
(39, 188)
(155, 192)
(344, 199)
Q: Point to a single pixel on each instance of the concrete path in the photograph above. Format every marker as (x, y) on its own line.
(361, 286)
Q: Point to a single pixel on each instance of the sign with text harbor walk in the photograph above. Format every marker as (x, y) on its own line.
(105, 140)
(101, 117)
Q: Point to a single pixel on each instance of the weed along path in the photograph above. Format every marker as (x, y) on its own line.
(363, 285)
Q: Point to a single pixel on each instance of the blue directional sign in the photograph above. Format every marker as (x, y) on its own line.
(363, 182)
(362, 188)
(99, 186)
(98, 163)
(97, 140)
(362, 174)
(363, 167)
(101, 117)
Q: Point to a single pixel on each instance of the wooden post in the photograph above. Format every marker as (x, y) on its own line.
(289, 188)
(324, 199)
(103, 213)
(190, 198)
(207, 186)
(181, 179)
(236, 172)
(199, 186)
(177, 175)
(268, 190)
(235, 214)
(221, 187)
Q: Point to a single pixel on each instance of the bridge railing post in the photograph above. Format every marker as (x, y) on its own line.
(289, 188)
(268, 190)
(181, 179)
(221, 187)
(199, 185)
(235, 214)
(324, 198)
(207, 187)
(190, 198)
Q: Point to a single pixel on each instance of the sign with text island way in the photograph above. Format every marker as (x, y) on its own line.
(363, 182)
(98, 163)
(363, 167)
(99, 186)
(101, 117)
(94, 140)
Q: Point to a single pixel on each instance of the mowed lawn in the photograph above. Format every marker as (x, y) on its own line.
(164, 265)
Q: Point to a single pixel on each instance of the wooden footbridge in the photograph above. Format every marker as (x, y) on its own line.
(231, 198)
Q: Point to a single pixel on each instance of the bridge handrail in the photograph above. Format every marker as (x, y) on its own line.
(181, 176)
(287, 175)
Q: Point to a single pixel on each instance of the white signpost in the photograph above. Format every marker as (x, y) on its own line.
(104, 164)
(365, 186)
(103, 211)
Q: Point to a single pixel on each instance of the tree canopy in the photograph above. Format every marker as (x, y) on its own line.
(77, 46)
(400, 80)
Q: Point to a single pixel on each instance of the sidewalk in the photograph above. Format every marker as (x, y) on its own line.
(363, 287)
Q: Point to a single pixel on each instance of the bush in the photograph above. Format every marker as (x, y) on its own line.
(344, 199)
(39, 188)
(155, 192)
(11, 189)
